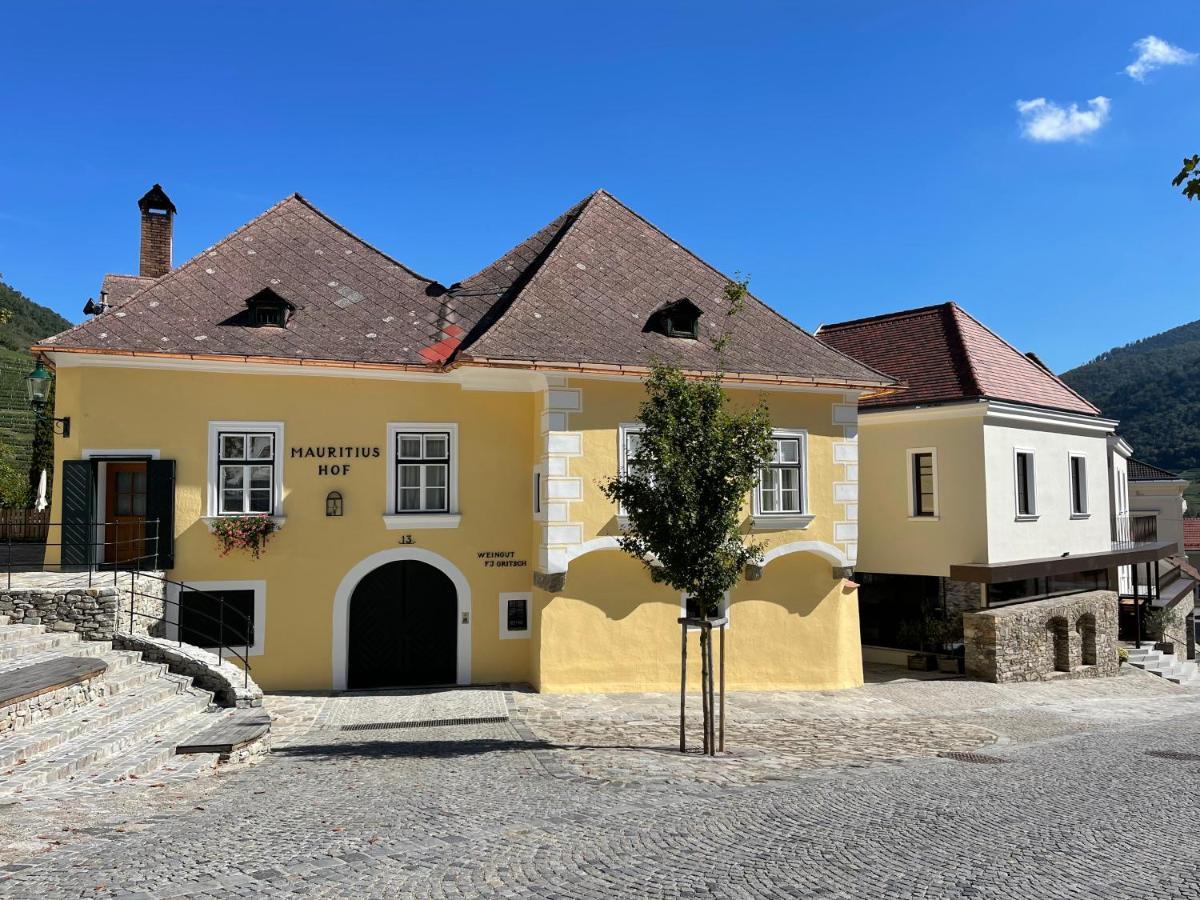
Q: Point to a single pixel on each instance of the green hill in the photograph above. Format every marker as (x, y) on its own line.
(24, 323)
(1153, 387)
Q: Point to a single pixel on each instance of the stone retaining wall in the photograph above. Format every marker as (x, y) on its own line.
(95, 613)
(1062, 637)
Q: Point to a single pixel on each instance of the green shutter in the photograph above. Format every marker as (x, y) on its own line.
(160, 505)
(78, 513)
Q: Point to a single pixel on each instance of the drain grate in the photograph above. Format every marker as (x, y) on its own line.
(1174, 754)
(967, 757)
(423, 723)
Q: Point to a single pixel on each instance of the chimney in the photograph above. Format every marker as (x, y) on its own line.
(157, 213)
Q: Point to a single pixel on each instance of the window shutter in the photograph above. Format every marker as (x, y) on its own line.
(78, 512)
(160, 505)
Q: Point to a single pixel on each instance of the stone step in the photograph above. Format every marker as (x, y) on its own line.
(16, 632)
(137, 742)
(96, 719)
(100, 649)
(34, 643)
(3, 621)
(158, 758)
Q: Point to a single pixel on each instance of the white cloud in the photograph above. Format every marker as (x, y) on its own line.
(1154, 53)
(1043, 120)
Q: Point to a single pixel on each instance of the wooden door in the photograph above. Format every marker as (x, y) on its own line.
(124, 512)
(403, 627)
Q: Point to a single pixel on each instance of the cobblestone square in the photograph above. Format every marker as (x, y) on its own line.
(1090, 792)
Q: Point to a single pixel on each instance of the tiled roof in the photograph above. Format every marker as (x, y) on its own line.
(943, 355)
(1191, 534)
(600, 273)
(120, 288)
(353, 302)
(579, 291)
(1143, 471)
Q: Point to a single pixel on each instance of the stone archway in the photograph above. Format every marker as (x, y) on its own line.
(1086, 628)
(1060, 644)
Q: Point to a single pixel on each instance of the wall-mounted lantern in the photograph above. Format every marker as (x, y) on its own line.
(38, 384)
(333, 504)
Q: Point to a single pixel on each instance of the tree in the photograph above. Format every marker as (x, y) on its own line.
(684, 488)
(1189, 178)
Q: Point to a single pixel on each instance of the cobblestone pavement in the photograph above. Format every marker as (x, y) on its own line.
(1092, 798)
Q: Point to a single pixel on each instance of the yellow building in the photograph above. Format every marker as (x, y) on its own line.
(432, 455)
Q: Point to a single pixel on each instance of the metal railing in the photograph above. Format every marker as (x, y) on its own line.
(134, 560)
(1134, 529)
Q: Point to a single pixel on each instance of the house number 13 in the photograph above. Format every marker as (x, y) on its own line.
(406, 539)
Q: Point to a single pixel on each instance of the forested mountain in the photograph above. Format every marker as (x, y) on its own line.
(27, 321)
(1153, 387)
(25, 444)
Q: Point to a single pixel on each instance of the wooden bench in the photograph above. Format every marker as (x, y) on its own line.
(235, 730)
(42, 678)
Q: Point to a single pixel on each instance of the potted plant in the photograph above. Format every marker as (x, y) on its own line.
(915, 633)
(1161, 621)
(243, 533)
(947, 634)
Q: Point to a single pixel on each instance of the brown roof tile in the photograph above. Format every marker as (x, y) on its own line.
(1136, 470)
(595, 276)
(943, 354)
(1191, 534)
(580, 290)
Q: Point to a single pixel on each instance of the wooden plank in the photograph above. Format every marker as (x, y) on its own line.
(234, 730)
(42, 678)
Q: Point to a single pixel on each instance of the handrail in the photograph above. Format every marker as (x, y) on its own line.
(234, 628)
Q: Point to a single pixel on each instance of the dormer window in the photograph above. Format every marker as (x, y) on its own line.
(678, 319)
(268, 310)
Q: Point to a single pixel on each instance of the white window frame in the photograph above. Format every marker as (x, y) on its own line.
(725, 603)
(505, 634)
(623, 431)
(258, 648)
(910, 477)
(1033, 499)
(1086, 511)
(396, 520)
(214, 456)
(768, 521)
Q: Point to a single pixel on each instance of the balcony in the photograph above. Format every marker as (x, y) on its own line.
(1129, 530)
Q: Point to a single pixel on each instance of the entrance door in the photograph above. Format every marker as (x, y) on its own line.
(403, 627)
(124, 511)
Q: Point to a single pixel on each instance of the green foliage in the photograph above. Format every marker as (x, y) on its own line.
(1153, 387)
(23, 322)
(1189, 178)
(684, 488)
(14, 481)
(243, 533)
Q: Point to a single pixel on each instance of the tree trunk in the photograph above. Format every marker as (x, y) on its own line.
(683, 691)
(704, 699)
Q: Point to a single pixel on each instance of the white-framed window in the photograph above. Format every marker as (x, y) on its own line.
(190, 614)
(689, 609)
(422, 478)
(1025, 484)
(922, 483)
(1078, 481)
(515, 610)
(629, 439)
(782, 488)
(245, 468)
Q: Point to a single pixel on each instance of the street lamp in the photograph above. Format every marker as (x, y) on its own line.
(38, 384)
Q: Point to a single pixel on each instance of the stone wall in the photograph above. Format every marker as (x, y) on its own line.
(961, 596)
(1062, 637)
(95, 613)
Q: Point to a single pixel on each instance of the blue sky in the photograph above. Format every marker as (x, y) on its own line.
(854, 158)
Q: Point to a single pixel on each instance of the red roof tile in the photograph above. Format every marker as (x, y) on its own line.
(945, 355)
(1191, 534)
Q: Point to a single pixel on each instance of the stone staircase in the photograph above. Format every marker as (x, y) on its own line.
(1167, 665)
(123, 723)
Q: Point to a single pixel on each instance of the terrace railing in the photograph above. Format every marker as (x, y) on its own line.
(127, 555)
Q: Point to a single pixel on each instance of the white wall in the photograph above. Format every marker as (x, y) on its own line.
(1054, 530)
(1164, 498)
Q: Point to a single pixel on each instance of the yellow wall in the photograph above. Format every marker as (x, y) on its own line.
(610, 628)
(896, 543)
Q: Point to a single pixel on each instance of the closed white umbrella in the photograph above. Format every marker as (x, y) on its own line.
(41, 497)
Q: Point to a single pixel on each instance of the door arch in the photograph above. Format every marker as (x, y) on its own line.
(362, 574)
